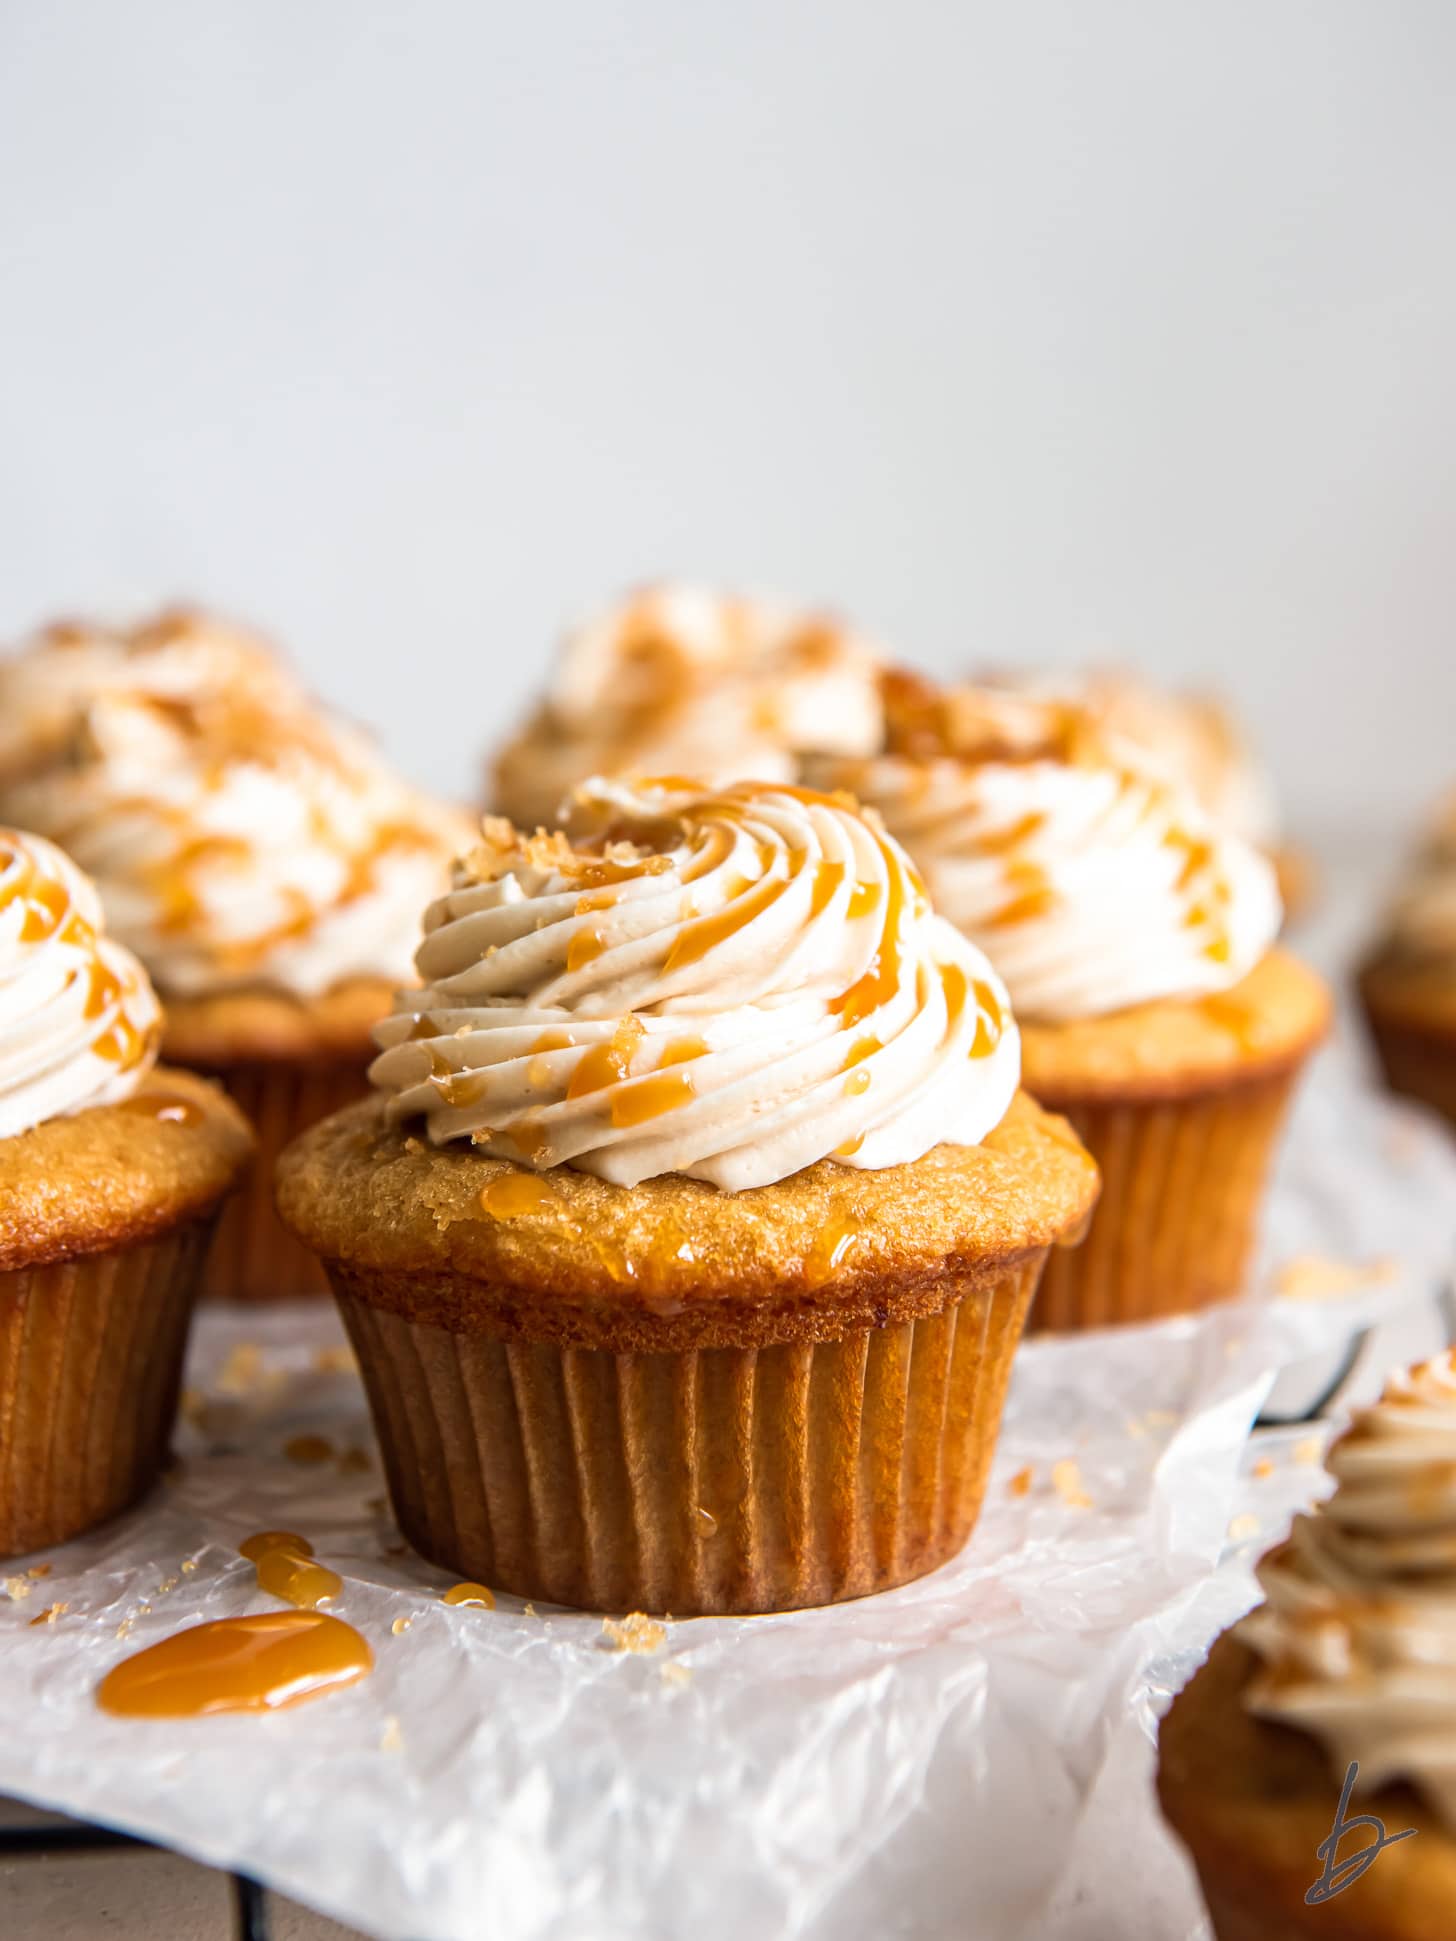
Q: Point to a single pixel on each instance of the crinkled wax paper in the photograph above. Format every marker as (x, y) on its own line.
(968, 1756)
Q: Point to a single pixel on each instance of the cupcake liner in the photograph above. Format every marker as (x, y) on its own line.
(90, 1367)
(1182, 1181)
(254, 1257)
(1418, 1063)
(697, 1481)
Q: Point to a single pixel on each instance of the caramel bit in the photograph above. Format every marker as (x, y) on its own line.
(308, 1450)
(401, 1625)
(1315, 1277)
(391, 1739)
(285, 1568)
(39, 1570)
(636, 1632)
(832, 1247)
(511, 1195)
(474, 1595)
(19, 1588)
(1067, 1482)
(1020, 1483)
(50, 1614)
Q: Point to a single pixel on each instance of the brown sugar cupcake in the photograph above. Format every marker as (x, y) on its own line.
(1349, 1663)
(1137, 942)
(687, 1247)
(1408, 982)
(111, 1172)
(683, 680)
(254, 852)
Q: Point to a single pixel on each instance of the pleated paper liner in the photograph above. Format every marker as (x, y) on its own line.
(254, 1257)
(695, 1481)
(1182, 1184)
(1418, 1063)
(90, 1368)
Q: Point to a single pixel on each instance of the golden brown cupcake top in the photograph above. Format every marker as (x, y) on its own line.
(239, 836)
(117, 1174)
(79, 1023)
(685, 680)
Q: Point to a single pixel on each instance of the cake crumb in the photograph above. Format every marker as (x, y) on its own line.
(336, 1361)
(413, 1144)
(391, 1739)
(1020, 1483)
(241, 1370)
(19, 1587)
(674, 1673)
(39, 1570)
(528, 1610)
(1319, 1277)
(50, 1614)
(1067, 1482)
(189, 1564)
(635, 1632)
(401, 1624)
(1243, 1527)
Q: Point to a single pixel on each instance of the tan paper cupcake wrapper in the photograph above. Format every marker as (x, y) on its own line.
(90, 1366)
(254, 1257)
(1418, 1064)
(1182, 1182)
(710, 1481)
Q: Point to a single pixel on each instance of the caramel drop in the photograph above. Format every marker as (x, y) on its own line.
(475, 1594)
(244, 1664)
(512, 1194)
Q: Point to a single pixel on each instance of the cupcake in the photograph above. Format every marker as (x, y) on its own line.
(1137, 941)
(255, 853)
(1348, 1665)
(687, 1244)
(1408, 982)
(680, 680)
(111, 1173)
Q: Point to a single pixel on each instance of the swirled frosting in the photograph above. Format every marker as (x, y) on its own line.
(1092, 882)
(1191, 738)
(683, 680)
(1358, 1631)
(730, 986)
(79, 1023)
(239, 837)
(1421, 920)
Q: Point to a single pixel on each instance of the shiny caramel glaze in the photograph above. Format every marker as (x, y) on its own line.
(262, 1663)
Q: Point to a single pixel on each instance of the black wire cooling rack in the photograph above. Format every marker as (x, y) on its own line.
(55, 1839)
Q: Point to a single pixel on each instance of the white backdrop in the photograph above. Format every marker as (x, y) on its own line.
(409, 330)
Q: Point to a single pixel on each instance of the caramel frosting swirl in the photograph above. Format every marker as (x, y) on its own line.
(79, 1023)
(728, 985)
(238, 835)
(682, 680)
(1091, 881)
(1358, 1631)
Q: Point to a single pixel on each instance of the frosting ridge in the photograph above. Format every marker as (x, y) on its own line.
(79, 1023)
(729, 985)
